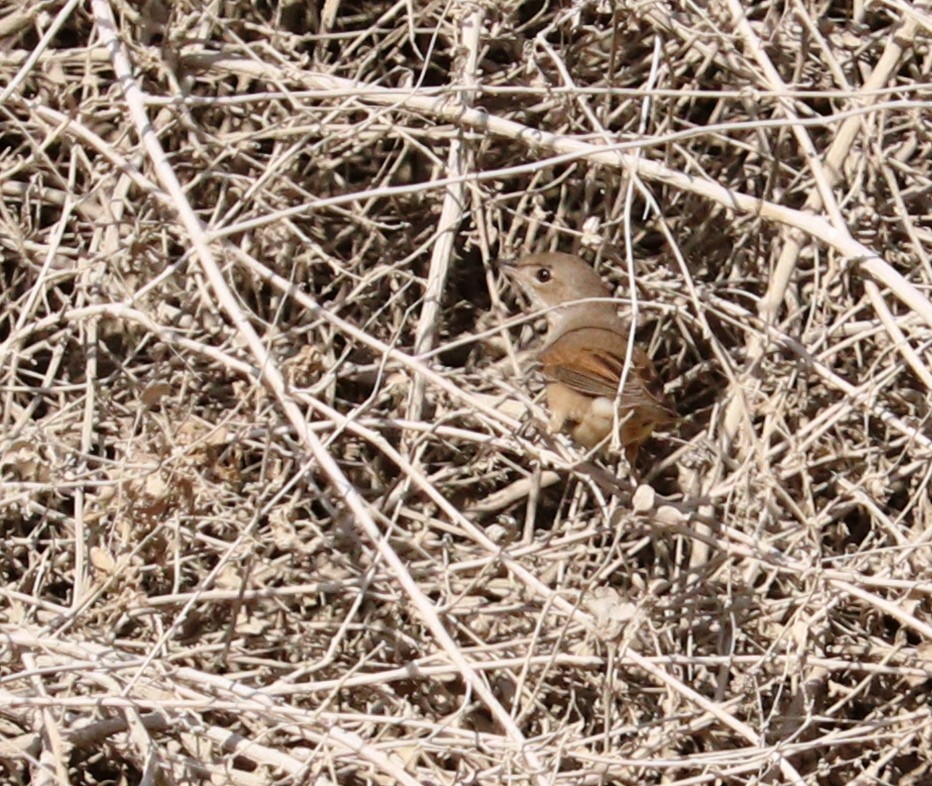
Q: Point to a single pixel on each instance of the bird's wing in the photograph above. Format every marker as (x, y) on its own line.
(591, 360)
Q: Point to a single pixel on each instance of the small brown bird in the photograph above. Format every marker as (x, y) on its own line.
(585, 353)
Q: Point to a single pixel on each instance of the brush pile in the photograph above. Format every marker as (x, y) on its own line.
(278, 502)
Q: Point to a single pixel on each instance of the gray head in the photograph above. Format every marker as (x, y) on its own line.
(552, 279)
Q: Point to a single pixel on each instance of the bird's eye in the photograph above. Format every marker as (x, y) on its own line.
(544, 275)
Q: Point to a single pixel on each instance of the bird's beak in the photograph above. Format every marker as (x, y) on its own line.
(506, 266)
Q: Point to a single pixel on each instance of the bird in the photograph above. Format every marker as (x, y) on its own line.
(585, 353)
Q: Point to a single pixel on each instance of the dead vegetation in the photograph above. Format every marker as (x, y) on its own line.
(277, 505)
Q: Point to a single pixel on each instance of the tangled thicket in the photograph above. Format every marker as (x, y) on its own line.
(277, 500)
